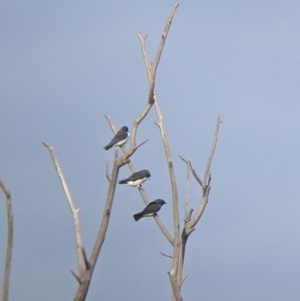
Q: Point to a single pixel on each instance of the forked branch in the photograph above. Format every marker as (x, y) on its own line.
(160, 120)
(91, 263)
(74, 211)
(177, 249)
(205, 183)
(152, 76)
(212, 151)
(142, 192)
(118, 162)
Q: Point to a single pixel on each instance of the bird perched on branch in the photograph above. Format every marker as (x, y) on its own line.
(137, 178)
(119, 139)
(150, 209)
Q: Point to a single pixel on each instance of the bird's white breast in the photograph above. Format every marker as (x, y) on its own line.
(137, 182)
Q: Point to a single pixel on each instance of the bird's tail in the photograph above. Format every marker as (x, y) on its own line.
(122, 182)
(107, 147)
(137, 216)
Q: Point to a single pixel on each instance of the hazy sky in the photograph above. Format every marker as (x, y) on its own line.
(64, 64)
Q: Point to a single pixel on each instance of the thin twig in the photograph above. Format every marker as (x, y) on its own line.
(143, 48)
(86, 262)
(74, 211)
(133, 150)
(76, 277)
(212, 151)
(195, 175)
(185, 276)
(9, 245)
(166, 255)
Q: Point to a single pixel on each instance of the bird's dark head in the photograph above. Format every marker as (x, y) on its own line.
(161, 202)
(148, 174)
(125, 128)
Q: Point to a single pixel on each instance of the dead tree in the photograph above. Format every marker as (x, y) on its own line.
(179, 241)
(9, 244)
(180, 235)
(86, 266)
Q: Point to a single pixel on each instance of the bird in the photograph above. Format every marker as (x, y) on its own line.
(150, 209)
(119, 139)
(137, 178)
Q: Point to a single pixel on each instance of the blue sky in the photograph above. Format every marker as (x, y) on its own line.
(63, 65)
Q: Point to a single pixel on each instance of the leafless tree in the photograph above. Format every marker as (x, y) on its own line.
(180, 234)
(179, 241)
(86, 266)
(9, 244)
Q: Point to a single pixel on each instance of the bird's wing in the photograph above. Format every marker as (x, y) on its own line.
(121, 135)
(151, 208)
(136, 176)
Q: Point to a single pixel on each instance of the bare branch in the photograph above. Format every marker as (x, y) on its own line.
(144, 53)
(205, 187)
(142, 192)
(195, 175)
(133, 150)
(116, 154)
(152, 74)
(186, 200)
(151, 96)
(166, 255)
(163, 229)
(150, 71)
(184, 160)
(106, 213)
(90, 265)
(86, 279)
(160, 125)
(9, 245)
(86, 262)
(159, 51)
(174, 191)
(76, 277)
(151, 79)
(74, 211)
(112, 127)
(108, 177)
(183, 279)
(209, 179)
(212, 151)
